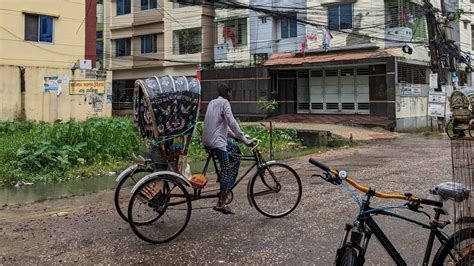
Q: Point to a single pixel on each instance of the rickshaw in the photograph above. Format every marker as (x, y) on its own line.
(461, 122)
(160, 202)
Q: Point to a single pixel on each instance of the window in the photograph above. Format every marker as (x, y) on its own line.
(147, 4)
(472, 36)
(122, 94)
(99, 35)
(236, 31)
(340, 17)
(38, 28)
(185, 3)
(405, 14)
(148, 44)
(123, 7)
(187, 41)
(122, 47)
(413, 74)
(288, 26)
(99, 50)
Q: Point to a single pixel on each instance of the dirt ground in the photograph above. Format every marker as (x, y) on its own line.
(357, 133)
(87, 230)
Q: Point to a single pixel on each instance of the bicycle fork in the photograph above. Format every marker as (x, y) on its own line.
(358, 235)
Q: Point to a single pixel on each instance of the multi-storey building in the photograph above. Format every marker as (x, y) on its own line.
(43, 47)
(147, 38)
(334, 57)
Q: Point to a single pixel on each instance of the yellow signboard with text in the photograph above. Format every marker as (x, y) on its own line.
(84, 87)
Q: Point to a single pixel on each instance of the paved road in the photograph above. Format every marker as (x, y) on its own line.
(86, 229)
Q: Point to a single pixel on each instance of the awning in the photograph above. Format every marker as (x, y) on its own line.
(298, 59)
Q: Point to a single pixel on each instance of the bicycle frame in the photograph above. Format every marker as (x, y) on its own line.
(256, 157)
(364, 219)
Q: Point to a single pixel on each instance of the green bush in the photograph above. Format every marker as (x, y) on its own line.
(34, 152)
(283, 140)
(40, 151)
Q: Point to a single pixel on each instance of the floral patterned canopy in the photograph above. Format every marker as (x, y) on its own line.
(166, 111)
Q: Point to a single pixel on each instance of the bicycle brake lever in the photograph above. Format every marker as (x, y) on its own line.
(414, 206)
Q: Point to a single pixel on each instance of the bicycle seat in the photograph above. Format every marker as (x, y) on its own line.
(208, 149)
(450, 190)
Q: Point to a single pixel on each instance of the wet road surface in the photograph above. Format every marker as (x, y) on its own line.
(86, 229)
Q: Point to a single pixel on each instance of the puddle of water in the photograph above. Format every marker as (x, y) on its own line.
(40, 191)
(11, 195)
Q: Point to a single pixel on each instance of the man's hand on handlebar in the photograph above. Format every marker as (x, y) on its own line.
(250, 142)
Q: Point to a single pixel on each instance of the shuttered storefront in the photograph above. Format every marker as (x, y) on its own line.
(333, 91)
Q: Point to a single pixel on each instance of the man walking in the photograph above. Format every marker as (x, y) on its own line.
(219, 123)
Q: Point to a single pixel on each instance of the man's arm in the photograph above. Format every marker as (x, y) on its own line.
(231, 133)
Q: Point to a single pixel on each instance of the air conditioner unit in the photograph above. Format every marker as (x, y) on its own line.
(220, 51)
(403, 34)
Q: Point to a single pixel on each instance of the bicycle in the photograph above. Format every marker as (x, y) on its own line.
(356, 239)
(160, 206)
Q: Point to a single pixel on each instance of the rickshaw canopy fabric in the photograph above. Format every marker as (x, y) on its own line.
(461, 104)
(166, 111)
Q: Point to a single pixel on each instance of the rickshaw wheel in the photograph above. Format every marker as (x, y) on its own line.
(159, 209)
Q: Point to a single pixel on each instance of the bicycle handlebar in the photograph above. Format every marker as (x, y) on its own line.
(362, 188)
(319, 164)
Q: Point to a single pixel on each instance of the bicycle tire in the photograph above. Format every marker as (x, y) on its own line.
(455, 240)
(168, 189)
(349, 258)
(122, 207)
(449, 129)
(266, 176)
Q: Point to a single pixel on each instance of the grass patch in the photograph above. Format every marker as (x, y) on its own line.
(432, 133)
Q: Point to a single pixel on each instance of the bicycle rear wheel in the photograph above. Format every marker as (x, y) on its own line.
(458, 251)
(275, 191)
(159, 209)
(449, 129)
(123, 191)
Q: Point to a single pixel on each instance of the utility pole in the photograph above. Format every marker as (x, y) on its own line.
(444, 53)
(435, 38)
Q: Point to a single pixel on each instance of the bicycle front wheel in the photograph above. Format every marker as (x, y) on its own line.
(458, 251)
(349, 258)
(159, 210)
(275, 190)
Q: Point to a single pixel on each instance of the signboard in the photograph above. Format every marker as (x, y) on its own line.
(89, 74)
(85, 64)
(84, 87)
(433, 80)
(436, 109)
(101, 74)
(407, 89)
(51, 84)
(437, 104)
(437, 98)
